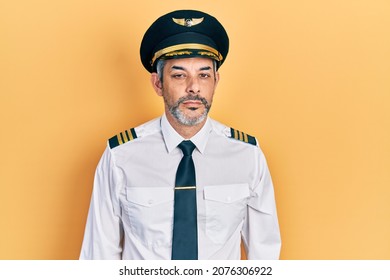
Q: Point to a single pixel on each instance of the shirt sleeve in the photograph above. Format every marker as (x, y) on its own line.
(103, 232)
(261, 234)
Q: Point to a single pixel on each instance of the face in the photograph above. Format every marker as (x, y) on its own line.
(188, 88)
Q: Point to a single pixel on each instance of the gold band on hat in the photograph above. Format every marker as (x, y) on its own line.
(207, 50)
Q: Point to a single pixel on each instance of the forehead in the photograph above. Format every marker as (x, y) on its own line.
(195, 63)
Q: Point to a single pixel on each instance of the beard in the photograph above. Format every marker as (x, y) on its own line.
(181, 117)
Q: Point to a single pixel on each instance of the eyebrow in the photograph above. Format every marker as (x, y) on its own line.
(175, 67)
(178, 67)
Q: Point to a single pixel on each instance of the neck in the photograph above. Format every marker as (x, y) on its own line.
(184, 131)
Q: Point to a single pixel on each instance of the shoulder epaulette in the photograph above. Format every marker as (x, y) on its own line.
(122, 138)
(241, 136)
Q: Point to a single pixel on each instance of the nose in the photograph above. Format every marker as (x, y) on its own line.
(193, 86)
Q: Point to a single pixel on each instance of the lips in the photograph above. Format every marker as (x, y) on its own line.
(192, 103)
(192, 100)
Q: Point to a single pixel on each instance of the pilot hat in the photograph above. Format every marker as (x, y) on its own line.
(183, 34)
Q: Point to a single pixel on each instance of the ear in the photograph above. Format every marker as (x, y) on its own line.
(156, 83)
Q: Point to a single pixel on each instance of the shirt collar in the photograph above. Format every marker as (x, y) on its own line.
(172, 139)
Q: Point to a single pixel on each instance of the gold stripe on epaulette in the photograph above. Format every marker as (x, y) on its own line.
(234, 134)
(241, 136)
(130, 135)
(122, 138)
(119, 139)
(245, 138)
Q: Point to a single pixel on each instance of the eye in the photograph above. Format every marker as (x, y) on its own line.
(178, 76)
(204, 75)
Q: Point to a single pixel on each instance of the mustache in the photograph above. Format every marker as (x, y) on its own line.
(192, 98)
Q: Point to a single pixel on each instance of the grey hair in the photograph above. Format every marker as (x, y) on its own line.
(160, 69)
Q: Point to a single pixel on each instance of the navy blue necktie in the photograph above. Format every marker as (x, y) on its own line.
(185, 231)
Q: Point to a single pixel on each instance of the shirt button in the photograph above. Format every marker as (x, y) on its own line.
(150, 201)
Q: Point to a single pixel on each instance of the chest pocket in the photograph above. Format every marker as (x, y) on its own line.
(150, 214)
(225, 210)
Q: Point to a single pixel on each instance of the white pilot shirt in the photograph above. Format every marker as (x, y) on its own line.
(131, 210)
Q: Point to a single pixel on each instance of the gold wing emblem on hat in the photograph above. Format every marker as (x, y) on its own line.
(187, 22)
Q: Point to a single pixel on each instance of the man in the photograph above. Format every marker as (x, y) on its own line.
(182, 186)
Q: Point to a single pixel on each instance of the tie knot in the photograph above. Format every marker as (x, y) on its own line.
(187, 147)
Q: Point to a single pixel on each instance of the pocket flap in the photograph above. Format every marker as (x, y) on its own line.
(226, 193)
(149, 196)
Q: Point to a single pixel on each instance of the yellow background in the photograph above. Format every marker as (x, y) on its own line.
(310, 79)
